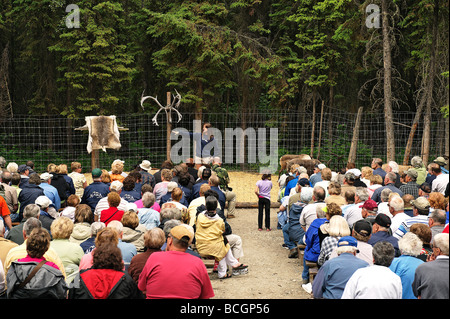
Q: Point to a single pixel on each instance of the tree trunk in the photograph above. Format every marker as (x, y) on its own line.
(354, 145)
(429, 85)
(313, 120)
(388, 116)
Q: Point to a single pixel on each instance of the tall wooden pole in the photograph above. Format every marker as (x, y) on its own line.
(354, 145)
(169, 127)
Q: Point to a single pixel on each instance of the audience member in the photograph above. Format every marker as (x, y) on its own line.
(337, 271)
(128, 250)
(418, 166)
(34, 276)
(95, 191)
(210, 240)
(411, 186)
(381, 232)
(376, 281)
(389, 182)
(431, 280)
(424, 233)
(69, 253)
(421, 210)
(149, 217)
(114, 187)
(437, 221)
(163, 278)
(79, 180)
(15, 234)
(133, 231)
(154, 239)
(405, 265)
(113, 212)
(106, 279)
(82, 224)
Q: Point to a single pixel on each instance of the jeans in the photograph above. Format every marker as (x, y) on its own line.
(263, 207)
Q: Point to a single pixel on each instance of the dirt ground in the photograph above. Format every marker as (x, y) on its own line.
(271, 274)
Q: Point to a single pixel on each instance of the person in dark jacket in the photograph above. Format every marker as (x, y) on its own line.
(47, 283)
(106, 279)
(29, 193)
(95, 191)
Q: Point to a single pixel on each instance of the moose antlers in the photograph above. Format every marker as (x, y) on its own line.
(176, 101)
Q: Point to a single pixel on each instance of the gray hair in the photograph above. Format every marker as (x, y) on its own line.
(319, 211)
(168, 225)
(441, 241)
(148, 199)
(383, 253)
(116, 225)
(391, 176)
(346, 249)
(394, 166)
(362, 193)
(96, 227)
(30, 224)
(439, 216)
(31, 210)
(416, 162)
(410, 244)
(12, 167)
(306, 194)
(384, 195)
(397, 203)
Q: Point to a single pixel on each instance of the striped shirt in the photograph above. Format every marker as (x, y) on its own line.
(407, 223)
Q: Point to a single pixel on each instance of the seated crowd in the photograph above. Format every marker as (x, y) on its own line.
(121, 236)
(371, 233)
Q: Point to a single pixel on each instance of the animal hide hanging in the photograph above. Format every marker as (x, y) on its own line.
(103, 132)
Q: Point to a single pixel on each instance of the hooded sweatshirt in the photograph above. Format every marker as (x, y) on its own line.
(209, 236)
(80, 233)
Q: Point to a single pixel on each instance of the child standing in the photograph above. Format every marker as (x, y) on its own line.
(263, 188)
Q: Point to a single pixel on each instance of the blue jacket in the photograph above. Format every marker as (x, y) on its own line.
(405, 267)
(312, 242)
(385, 236)
(52, 193)
(130, 196)
(28, 195)
(93, 193)
(222, 197)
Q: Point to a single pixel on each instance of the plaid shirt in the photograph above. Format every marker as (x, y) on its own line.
(410, 188)
(328, 245)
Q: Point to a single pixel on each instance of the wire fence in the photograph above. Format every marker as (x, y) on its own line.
(45, 139)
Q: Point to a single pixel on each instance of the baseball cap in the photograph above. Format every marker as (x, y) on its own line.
(181, 233)
(43, 201)
(383, 220)
(441, 161)
(171, 186)
(116, 185)
(96, 172)
(45, 176)
(347, 241)
(303, 182)
(370, 205)
(412, 173)
(421, 203)
(22, 168)
(362, 227)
